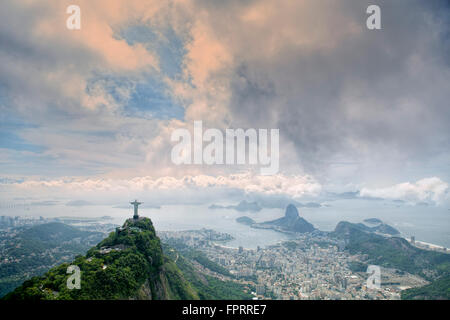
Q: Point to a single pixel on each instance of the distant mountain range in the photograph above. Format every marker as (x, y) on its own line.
(243, 206)
(78, 203)
(292, 222)
(256, 206)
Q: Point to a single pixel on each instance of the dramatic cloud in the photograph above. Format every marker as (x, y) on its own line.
(354, 106)
(426, 190)
(341, 93)
(197, 187)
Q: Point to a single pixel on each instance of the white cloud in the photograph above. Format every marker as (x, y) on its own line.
(425, 190)
(109, 190)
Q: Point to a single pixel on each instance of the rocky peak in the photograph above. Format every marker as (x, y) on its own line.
(291, 212)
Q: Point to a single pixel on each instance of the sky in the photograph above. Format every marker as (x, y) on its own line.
(88, 114)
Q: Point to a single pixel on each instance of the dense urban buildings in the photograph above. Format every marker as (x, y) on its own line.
(309, 267)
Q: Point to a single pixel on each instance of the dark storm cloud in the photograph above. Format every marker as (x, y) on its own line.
(379, 94)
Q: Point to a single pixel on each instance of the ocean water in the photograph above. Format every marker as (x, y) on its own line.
(428, 224)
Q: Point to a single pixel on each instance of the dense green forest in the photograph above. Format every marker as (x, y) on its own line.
(208, 287)
(197, 256)
(130, 264)
(436, 290)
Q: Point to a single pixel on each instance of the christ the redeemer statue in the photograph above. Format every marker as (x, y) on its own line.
(135, 204)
